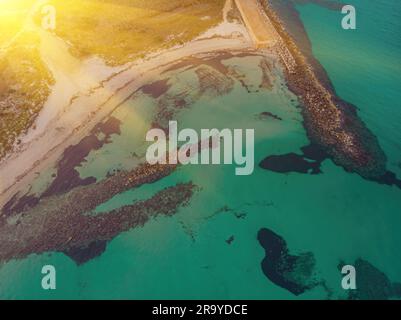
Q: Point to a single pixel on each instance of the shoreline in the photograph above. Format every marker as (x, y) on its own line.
(330, 122)
(95, 105)
(85, 232)
(57, 223)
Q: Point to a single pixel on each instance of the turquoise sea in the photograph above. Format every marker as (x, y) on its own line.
(337, 216)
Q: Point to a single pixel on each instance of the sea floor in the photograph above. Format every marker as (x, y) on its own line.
(210, 248)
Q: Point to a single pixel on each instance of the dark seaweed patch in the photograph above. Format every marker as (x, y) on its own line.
(67, 177)
(157, 88)
(322, 111)
(83, 255)
(230, 240)
(290, 162)
(371, 283)
(308, 162)
(390, 179)
(60, 223)
(294, 273)
(268, 115)
(16, 205)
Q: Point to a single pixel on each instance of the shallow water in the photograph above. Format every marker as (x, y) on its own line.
(335, 215)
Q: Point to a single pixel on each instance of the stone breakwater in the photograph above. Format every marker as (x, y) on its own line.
(67, 222)
(330, 122)
(279, 47)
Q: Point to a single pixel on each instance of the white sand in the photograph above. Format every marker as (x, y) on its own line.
(62, 124)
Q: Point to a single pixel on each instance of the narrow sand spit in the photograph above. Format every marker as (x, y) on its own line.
(63, 124)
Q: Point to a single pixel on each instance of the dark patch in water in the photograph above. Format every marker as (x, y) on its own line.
(389, 179)
(315, 153)
(83, 255)
(60, 223)
(230, 240)
(215, 79)
(226, 209)
(67, 176)
(215, 61)
(16, 205)
(266, 115)
(294, 273)
(365, 157)
(212, 82)
(290, 162)
(157, 88)
(371, 283)
(309, 162)
(267, 81)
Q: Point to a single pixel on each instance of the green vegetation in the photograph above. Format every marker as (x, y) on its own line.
(120, 31)
(117, 31)
(24, 88)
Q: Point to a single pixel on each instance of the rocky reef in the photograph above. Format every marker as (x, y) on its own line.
(371, 283)
(67, 222)
(292, 272)
(330, 122)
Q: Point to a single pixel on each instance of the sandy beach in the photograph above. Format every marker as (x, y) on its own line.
(67, 118)
(63, 124)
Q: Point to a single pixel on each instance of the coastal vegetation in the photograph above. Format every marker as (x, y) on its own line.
(24, 88)
(116, 31)
(120, 31)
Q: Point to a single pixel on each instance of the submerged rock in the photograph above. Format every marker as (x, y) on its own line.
(371, 283)
(296, 273)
